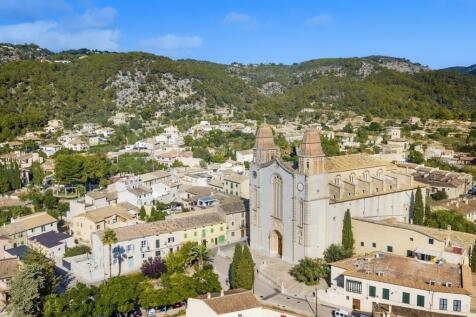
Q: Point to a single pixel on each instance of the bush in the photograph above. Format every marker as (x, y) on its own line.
(336, 252)
(77, 250)
(439, 195)
(309, 271)
(153, 267)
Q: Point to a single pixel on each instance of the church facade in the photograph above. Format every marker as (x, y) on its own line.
(297, 211)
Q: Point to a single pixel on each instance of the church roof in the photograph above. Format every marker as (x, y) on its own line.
(311, 144)
(264, 137)
(352, 162)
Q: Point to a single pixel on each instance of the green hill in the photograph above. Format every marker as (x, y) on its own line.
(83, 85)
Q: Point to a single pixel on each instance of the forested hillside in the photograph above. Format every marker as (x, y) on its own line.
(83, 85)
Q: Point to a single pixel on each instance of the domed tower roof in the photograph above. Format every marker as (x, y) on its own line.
(311, 144)
(264, 137)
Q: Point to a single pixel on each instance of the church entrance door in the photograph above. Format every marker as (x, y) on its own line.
(276, 243)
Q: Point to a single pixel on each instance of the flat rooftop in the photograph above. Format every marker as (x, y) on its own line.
(404, 271)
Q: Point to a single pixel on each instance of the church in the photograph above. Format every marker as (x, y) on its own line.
(297, 210)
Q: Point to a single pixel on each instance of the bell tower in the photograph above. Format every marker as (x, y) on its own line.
(311, 157)
(265, 149)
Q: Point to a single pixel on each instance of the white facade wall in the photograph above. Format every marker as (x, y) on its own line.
(431, 299)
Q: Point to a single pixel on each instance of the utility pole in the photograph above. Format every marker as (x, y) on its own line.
(316, 299)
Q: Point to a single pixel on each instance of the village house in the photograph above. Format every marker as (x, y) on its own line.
(138, 242)
(236, 211)
(408, 286)
(8, 268)
(465, 205)
(20, 229)
(424, 243)
(236, 302)
(237, 185)
(50, 148)
(52, 244)
(85, 224)
(54, 126)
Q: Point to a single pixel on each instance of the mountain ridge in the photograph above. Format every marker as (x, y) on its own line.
(83, 85)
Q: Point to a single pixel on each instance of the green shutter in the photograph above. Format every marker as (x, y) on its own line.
(204, 233)
(157, 243)
(221, 239)
(372, 291)
(421, 300)
(405, 298)
(157, 253)
(385, 293)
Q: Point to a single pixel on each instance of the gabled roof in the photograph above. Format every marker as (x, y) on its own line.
(26, 223)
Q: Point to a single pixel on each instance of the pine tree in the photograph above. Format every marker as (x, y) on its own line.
(473, 258)
(234, 276)
(418, 209)
(347, 235)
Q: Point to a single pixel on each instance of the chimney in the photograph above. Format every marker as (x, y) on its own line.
(209, 295)
(449, 228)
(222, 293)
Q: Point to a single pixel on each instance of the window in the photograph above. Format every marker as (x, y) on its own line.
(185, 236)
(157, 253)
(362, 244)
(443, 304)
(171, 239)
(420, 300)
(430, 241)
(301, 213)
(211, 230)
(143, 243)
(385, 293)
(353, 286)
(337, 180)
(204, 233)
(372, 291)
(389, 248)
(352, 177)
(411, 239)
(157, 243)
(221, 228)
(405, 298)
(195, 233)
(456, 305)
(277, 183)
(232, 233)
(374, 245)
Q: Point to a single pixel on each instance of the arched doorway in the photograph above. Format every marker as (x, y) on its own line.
(276, 243)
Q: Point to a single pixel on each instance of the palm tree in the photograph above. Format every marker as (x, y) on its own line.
(109, 238)
(198, 254)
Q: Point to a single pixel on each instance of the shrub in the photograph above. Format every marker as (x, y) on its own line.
(309, 271)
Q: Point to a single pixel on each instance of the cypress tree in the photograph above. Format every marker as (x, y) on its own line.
(347, 235)
(418, 209)
(142, 213)
(235, 264)
(427, 210)
(247, 269)
(473, 258)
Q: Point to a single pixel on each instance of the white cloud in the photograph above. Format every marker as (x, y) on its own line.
(96, 18)
(321, 19)
(171, 42)
(236, 18)
(50, 34)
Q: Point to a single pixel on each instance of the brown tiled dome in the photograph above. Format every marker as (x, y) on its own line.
(264, 137)
(311, 144)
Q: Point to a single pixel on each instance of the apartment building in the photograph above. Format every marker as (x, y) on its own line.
(138, 242)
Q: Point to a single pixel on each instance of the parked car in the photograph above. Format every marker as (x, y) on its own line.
(342, 313)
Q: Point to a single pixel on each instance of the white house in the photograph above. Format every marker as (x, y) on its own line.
(408, 286)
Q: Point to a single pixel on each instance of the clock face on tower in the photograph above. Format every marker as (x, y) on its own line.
(300, 187)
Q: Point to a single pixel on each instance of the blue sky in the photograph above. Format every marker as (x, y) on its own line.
(438, 33)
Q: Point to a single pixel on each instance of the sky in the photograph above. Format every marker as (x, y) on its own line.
(437, 33)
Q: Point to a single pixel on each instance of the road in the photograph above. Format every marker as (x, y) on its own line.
(268, 293)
